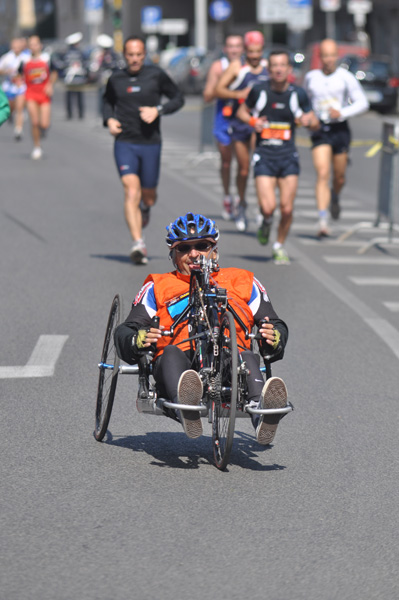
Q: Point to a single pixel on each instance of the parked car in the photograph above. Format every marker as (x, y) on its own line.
(189, 70)
(376, 77)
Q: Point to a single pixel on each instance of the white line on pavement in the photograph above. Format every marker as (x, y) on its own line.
(384, 330)
(362, 260)
(392, 306)
(392, 281)
(42, 360)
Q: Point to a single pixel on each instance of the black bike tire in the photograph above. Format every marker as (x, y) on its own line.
(108, 378)
(223, 419)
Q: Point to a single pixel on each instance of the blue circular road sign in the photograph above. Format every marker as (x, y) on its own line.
(220, 10)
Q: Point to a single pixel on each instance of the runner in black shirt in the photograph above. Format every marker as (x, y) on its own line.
(274, 108)
(132, 107)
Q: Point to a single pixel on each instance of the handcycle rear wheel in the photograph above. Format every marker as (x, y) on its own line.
(225, 405)
(109, 369)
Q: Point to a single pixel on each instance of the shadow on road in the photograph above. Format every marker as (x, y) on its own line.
(173, 450)
(123, 258)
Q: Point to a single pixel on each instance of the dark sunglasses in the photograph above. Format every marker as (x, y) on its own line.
(199, 246)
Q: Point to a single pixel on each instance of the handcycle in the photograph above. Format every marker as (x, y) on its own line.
(216, 357)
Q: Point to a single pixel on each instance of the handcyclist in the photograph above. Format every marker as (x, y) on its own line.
(274, 108)
(233, 50)
(131, 111)
(335, 95)
(234, 86)
(166, 295)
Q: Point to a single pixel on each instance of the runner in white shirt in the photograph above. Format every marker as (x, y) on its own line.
(335, 95)
(13, 84)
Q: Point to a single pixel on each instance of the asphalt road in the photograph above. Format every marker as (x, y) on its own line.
(146, 514)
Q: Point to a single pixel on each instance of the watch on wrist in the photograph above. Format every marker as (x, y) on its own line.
(160, 109)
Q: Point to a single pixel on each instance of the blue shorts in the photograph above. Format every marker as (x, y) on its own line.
(274, 166)
(221, 129)
(139, 159)
(336, 135)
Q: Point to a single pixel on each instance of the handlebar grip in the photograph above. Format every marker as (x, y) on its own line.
(155, 322)
(258, 335)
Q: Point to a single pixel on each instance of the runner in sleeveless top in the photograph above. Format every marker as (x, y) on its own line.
(234, 86)
(233, 50)
(39, 77)
(274, 108)
(335, 95)
(13, 84)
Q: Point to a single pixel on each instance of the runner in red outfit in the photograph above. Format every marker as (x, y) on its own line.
(39, 78)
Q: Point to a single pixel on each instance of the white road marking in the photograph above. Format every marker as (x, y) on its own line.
(392, 306)
(392, 281)
(362, 260)
(383, 329)
(42, 360)
(358, 215)
(333, 242)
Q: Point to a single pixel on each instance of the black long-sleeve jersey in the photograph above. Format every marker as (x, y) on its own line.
(126, 92)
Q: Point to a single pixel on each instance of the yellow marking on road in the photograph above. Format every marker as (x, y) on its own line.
(374, 149)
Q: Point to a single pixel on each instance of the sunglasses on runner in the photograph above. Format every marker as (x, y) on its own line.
(199, 246)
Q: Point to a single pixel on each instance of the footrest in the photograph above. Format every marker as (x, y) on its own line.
(202, 408)
(270, 411)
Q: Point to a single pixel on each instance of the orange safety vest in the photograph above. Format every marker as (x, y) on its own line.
(170, 288)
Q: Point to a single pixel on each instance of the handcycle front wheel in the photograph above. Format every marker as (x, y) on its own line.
(109, 369)
(225, 405)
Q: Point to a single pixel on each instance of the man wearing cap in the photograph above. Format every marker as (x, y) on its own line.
(75, 75)
(106, 62)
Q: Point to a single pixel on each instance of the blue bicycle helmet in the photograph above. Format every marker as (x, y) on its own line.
(191, 227)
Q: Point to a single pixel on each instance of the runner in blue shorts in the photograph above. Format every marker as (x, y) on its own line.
(131, 110)
(233, 50)
(233, 87)
(273, 109)
(138, 159)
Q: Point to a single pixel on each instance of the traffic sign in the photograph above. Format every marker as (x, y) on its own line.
(220, 10)
(151, 15)
(93, 4)
(270, 11)
(359, 6)
(330, 5)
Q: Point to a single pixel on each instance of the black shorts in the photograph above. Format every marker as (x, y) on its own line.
(275, 166)
(336, 135)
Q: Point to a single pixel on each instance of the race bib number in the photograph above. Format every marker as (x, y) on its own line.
(276, 131)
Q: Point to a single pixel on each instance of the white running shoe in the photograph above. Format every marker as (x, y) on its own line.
(228, 208)
(138, 253)
(241, 218)
(274, 395)
(324, 230)
(189, 391)
(36, 153)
